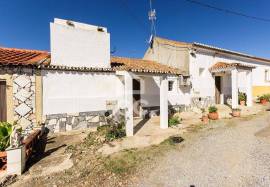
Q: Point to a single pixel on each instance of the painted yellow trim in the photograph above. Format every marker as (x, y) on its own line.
(260, 90)
(39, 96)
(9, 95)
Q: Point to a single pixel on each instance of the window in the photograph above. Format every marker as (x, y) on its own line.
(267, 75)
(170, 86)
(201, 71)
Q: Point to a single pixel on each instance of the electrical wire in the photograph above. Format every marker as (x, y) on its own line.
(228, 11)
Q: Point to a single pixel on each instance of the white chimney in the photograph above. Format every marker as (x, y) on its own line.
(78, 44)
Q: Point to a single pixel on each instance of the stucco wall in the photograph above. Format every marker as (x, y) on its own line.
(80, 45)
(73, 92)
(205, 84)
(169, 55)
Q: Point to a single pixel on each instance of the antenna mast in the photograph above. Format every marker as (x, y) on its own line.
(152, 17)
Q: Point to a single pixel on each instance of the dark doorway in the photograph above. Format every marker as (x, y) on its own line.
(136, 97)
(3, 101)
(218, 89)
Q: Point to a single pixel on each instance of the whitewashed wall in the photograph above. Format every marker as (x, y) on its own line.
(204, 85)
(80, 45)
(73, 92)
(151, 92)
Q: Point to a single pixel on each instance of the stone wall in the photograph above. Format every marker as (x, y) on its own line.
(23, 87)
(81, 120)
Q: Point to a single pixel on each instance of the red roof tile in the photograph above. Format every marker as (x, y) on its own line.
(140, 65)
(224, 65)
(12, 56)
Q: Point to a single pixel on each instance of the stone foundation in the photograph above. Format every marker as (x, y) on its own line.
(81, 120)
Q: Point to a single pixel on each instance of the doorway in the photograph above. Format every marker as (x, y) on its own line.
(3, 101)
(217, 89)
(136, 97)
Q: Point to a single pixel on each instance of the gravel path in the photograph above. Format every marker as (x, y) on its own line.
(228, 155)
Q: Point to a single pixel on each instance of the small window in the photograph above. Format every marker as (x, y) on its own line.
(170, 86)
(201, 71)
(267, 75)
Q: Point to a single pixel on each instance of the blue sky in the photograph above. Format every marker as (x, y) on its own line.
(25, 23)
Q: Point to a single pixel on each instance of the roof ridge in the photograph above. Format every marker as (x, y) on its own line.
(24, 50)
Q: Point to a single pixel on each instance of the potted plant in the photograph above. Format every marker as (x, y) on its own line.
(5, 131)
(213, 115)
(205, 118)
(236, 112)
(264, 99)
(242, 98)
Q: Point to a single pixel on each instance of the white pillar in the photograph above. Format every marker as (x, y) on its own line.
(234, 77)
(129, 104)
(249, 88)
(164, 102)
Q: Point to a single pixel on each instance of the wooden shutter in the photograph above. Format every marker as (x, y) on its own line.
(3, 101)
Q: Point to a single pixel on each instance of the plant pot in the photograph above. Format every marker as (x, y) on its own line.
(213, 115)
(236, 113)
(205, 119)
(263, 101)
(3, 161)
(242, 103)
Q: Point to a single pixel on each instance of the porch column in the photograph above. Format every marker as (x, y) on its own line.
(249, 88)
(234, 77)
(164, 102)
(128, 104)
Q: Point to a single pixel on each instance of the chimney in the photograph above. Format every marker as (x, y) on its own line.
(78, 44)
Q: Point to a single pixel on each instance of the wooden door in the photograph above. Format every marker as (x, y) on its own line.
(136, 98)
(3, 101)
(218, 89)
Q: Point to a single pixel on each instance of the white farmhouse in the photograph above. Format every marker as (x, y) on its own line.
(79, 83)
(214, 75)
(83, 83)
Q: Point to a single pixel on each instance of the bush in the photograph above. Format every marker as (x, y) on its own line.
(5, 132)
(173, 121)
(212, 109)
(242, 96)
(113, 130)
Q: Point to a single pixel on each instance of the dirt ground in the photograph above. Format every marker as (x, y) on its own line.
(232, 152)
(216, 154)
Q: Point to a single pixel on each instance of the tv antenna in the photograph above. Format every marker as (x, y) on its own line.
(152, 17)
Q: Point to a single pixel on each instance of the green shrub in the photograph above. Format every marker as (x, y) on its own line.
(113, 129)
(173, 121)
(212, 109)
(5, 131)
(242, 96)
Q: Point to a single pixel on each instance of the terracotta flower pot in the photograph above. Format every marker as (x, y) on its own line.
(205, 119)
(236, 113)
(213, 115)
(242, 103)
(263, 101)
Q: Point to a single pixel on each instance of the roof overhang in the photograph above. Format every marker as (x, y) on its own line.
(223, 67)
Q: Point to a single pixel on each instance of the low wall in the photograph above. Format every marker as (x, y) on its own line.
(82, 120)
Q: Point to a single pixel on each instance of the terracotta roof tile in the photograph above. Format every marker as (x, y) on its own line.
(12, 56)
(140, 65)
(224, 65)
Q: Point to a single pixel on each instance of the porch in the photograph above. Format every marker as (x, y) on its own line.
(230, 80)
(144, 91)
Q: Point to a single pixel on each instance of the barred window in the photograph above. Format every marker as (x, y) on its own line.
(170, 86)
